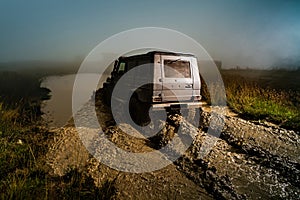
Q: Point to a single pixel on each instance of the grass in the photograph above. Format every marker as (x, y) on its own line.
(21, 97)
(24, 144)
(252, 100)
(20, 169)
(24, 174)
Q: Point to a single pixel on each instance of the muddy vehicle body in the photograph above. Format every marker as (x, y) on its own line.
(173, 82)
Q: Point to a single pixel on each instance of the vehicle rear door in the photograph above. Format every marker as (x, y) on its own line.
(177, 78)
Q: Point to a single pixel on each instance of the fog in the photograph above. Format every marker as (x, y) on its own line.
(257, 34)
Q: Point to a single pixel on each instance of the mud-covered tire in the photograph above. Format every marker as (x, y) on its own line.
(139, 111)
(106, 93)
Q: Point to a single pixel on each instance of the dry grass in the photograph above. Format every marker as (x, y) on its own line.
(253, 101)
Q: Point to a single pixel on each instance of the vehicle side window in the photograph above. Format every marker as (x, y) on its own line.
(122, 67)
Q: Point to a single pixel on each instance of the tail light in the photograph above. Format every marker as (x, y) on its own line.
(157, 99)
(197, 98)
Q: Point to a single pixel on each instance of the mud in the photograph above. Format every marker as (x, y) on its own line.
(250, 160)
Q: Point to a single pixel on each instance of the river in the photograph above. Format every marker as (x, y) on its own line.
(58, 110)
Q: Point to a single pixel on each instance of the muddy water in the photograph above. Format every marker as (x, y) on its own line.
(58, 110)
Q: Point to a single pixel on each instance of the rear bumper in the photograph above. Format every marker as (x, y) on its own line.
(179, 105)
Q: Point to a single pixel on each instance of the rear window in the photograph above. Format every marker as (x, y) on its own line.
(177, 69)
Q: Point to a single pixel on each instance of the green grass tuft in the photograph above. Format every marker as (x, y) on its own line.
(249, 99)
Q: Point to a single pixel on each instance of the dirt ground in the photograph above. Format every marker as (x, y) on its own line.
(249, 160)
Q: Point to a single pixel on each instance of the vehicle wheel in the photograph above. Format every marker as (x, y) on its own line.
(104, 92)
(139, 111)
(107, 94)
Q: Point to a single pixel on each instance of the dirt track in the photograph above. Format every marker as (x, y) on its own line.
(248, 161)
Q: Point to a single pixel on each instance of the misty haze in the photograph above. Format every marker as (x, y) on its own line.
(222, 125)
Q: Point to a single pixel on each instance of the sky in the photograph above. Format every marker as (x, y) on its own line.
(251, 33)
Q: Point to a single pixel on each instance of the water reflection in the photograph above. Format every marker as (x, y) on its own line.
(58, 110)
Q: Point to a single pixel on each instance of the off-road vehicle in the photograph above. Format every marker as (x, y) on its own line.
(173, 83)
